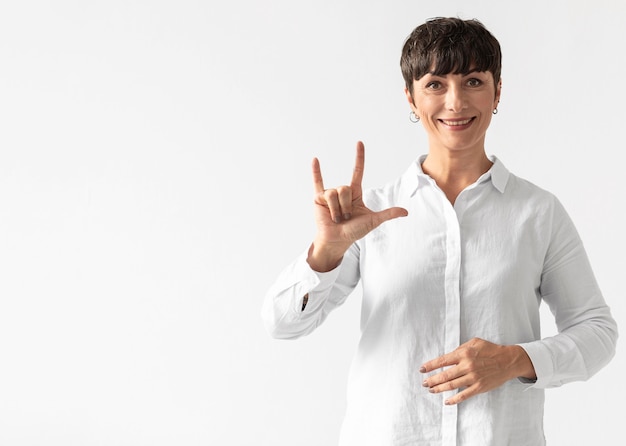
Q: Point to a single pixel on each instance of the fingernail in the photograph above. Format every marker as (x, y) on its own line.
(424, 383)
(337, 219)
(347, 216)
(447, 403)
(422, 369)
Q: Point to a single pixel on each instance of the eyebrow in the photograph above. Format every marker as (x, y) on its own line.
(462, 74)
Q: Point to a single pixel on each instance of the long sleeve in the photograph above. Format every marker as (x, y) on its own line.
(282, 311)
(587, 332)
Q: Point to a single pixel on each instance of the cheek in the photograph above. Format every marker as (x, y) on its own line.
(425, 105)
(488, 103)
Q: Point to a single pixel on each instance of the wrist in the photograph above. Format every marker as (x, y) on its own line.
(523, 366)
(323, 258)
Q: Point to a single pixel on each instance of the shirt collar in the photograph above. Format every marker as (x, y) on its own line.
(415, 177)
(499, 174)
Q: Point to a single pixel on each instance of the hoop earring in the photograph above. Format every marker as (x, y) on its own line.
(413, 117)
(495, 111)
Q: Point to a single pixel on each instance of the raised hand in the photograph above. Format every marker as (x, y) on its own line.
(341, 216)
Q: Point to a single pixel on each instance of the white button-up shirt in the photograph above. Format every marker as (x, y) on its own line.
(439, 277)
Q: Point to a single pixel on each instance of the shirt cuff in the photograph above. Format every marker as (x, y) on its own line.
(542, 362)
(318, 284)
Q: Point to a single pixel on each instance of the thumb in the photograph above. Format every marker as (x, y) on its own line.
(388, 214)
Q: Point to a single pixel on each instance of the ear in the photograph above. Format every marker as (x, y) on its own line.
(409, 98)
(498, 92)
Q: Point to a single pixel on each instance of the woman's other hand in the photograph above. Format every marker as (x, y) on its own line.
(475, 367)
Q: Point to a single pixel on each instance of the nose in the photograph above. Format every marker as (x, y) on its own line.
(455, 98)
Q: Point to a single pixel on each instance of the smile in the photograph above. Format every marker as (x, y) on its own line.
(456, 122)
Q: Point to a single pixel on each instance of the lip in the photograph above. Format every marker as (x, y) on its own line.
(457, 123)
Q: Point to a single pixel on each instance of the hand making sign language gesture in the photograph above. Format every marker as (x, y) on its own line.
(341, 216)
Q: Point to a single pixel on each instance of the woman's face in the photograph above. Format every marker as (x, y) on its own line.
(455, 109)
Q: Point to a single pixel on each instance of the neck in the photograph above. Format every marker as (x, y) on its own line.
(453, 172)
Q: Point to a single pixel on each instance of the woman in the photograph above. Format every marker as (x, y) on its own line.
(450, 352)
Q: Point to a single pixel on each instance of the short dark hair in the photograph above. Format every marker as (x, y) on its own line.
(444, 45)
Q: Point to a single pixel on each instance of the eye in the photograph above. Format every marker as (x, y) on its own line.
(433, 85)
(473, 82)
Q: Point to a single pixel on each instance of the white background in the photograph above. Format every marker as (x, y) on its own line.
(154, 179)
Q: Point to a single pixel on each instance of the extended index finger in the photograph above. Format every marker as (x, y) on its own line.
(359, 166)
(318, 183)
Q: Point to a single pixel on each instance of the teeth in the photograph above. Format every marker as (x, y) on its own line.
(457, 122)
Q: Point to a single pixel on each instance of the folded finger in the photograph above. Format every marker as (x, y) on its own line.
(332, 202)
(344, 194)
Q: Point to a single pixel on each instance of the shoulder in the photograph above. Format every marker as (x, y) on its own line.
(528, 200)
(521, 189)
(518, 190)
